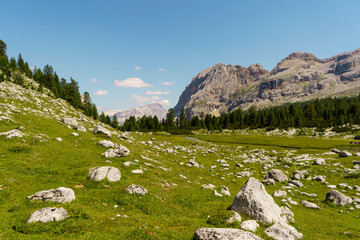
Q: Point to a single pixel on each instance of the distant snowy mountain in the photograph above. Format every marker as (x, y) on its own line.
(151, 109)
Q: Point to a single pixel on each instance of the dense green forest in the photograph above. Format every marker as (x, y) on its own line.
(320, 113)
(15, 70)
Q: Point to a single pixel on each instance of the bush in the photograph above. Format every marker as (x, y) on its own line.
(357, 137)
(180, 132)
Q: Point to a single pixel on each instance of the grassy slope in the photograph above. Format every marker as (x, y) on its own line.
(167, 212)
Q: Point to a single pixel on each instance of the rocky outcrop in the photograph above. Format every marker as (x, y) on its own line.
(300, 76)
(224, 234)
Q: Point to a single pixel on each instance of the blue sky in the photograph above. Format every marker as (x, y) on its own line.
(144, 44)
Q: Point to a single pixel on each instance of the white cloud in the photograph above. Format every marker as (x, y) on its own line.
(142, 99)
(112, 112)
(161, 69)
(168, 83)
(101, 92)
(165, 102)
(137, 68)
(156, 92)
(94, 80)
(131, 82)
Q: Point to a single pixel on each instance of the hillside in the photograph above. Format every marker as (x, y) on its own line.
(184, 177)
(298, 77)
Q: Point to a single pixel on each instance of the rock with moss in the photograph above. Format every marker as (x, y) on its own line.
(48, 214)
(338, 198)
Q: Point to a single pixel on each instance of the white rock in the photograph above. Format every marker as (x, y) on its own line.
(254, 201)
(120, 151)
(217, 194)
(80, 128)
(136, 189)
(99, 173)
(225, 191)
(106, 143)
(309, 204)
(127, 164)
(277, 175)
(59, 139)
(48, 214)
(279, 193)
(234, 218)
(12, 133)
(249, 225)
(101, 130)
(319, 161)
(137, 171)
(60, 195)
(283, 231)
(345, 154)
(331, 186)
(75, 134)
(69, 121)
(224, 234)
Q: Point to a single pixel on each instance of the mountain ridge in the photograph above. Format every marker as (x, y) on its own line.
(151, 109)
(299, 76)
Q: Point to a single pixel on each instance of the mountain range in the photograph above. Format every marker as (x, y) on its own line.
(152, 109)
(298, 77)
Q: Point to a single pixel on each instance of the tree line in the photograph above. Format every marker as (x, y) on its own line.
(319, 113)
(15, 70)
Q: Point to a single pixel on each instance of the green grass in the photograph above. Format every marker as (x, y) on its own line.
(175, 207)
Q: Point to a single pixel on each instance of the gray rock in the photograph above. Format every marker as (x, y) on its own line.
(269, 181)
(106, 143)
(243, 174)
(69, 121)
(298, 175)
(345, 154)
(254, 201)
(80, 128)
(277, 175)
(234, 218)
(60, 195)
(319, 178)
(224, 234)
(249, 225)
(101, 130)
(296, 183)
(319, 161)
(48, 214)
(338, 198)
(120, 151)
(99, 173)
(136, 189)
(279, 193)
(309, 204)
(283, 231)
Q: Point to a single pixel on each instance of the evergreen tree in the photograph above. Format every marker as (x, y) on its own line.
(114, 122)
(2, 48)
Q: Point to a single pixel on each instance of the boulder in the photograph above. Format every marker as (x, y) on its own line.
(319, 161)
(277, 175)
(60, 195)
(106, 143)
(80, 128)
(99, 173)
(280, 193)
(120, 151)
(48, 214)
(254, 201)
(69, 121)
(338, 198)
(224, 234)
(309, 204)
(136, 189)
(101, 130)
(344, 154)
(283, 231)
(249, 225)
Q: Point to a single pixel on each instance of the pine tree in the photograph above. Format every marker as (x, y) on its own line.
(114, 122)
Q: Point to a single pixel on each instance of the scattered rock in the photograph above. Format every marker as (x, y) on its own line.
(137, 171)
(217, 194)
(224, 234)
(243, 174)
(277, 175)
(225, 191)
(208, 186)
(234, 218)
(254, 201)
(60, 195)
(101, 130)
(136, 189)
(287, 215)
(269, 181)
(309, 204)
(279, 193)
(75, 134)
(344, 154)
(69, 121)
(299, 175)
(120, 151)
(296, 183)
(106, 143)
(249, 225)
(48, 214)
(80, 128)
(338, 198)
(99, 173)
(319, 178)
(12, 133)
(58, 139)
(319, 161)
(283, 231)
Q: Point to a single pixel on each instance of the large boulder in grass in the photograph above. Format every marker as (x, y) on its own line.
(224, 234)
(69, 121)
(255, 202)
(277, 175)
(106, 143)
(60, 195)
(338, 198)
(48, 214)
(283, 231)
(120, 151)
(345, 154)
(99, 173)
(101, 130)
